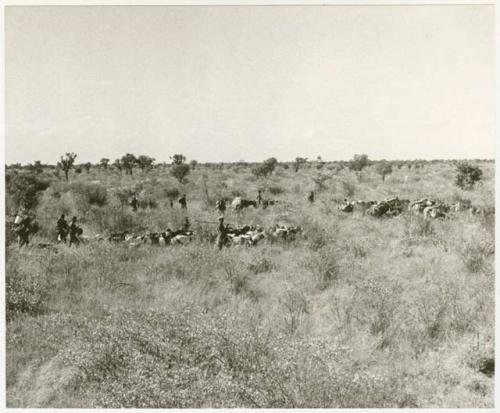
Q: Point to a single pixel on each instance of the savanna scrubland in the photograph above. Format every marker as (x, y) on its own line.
(356, 312)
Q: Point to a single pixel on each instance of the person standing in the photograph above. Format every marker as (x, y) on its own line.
(221, 234)
(259, 197)
(183, 202)
(133, 203)
(74, 232)
(62, 229)
(310, 197)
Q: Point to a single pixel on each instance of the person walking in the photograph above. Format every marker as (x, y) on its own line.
(221, 234)
(74, 232)
(62, 229)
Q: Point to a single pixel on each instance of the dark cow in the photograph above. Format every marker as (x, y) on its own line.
(268, 202)
(220, 205)
(239, 204)
(117, 236)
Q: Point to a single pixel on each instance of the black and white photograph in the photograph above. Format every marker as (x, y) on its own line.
(249, 206)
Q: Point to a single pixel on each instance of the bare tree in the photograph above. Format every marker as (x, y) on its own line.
(298, 161)
(66, 163)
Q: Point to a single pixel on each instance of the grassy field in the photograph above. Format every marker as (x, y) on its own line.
(357, 312)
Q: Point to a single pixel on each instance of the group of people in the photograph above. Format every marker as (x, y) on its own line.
(63, 230)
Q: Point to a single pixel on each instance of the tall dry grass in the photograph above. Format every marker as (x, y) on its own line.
(357, 312)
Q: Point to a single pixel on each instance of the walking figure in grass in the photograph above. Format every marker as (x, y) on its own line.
(62, 228)
(74, 232)
(183, 202)
(310, 197)
(221, 234)
(133, 203)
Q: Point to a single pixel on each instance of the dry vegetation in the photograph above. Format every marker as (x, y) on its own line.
(358, 312)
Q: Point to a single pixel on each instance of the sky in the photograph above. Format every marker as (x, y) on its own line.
(247, 83)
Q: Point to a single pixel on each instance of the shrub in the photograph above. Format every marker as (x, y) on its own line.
(261, 265)
(24, 190)
(324, 266)
(348, 189)
(180, 171)
(475, 253)
(380, 305)
(25, 292)
(91, 194)
(296, 308)
(172, 193)
(467, 175)
(275, 190)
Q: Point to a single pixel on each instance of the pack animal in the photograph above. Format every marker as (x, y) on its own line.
(239, 204)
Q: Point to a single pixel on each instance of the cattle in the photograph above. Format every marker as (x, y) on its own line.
(363, 206)
(239, 204)
(419, 205)
(180, 239)
(347, 206)
(220, 205)
(389, 207)
(118, 236)
(250, 237)
(460, 206)
(268, 202)
(436, 211)
(431, 208)
(477, 211)
(240, 231)
(378, 209)
(87, 238)
(283, 233)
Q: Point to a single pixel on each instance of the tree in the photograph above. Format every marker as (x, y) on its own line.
(358, 163)
(36, 167)
(128, 162)
(145, 162)
(467, 175)
(178, 159)
(87, 166)
(180, 171)
(383, 168)
(298, 161)
(266, 168)
(321, 163)
(104, 163)
(172, 193)
(118, 165)
(193, 164)
(66, 163)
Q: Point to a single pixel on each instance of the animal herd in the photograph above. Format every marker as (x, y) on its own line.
(246, 235)
(427, 207)
(251, 235)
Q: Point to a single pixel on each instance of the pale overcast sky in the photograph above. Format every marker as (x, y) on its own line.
(247, 83)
